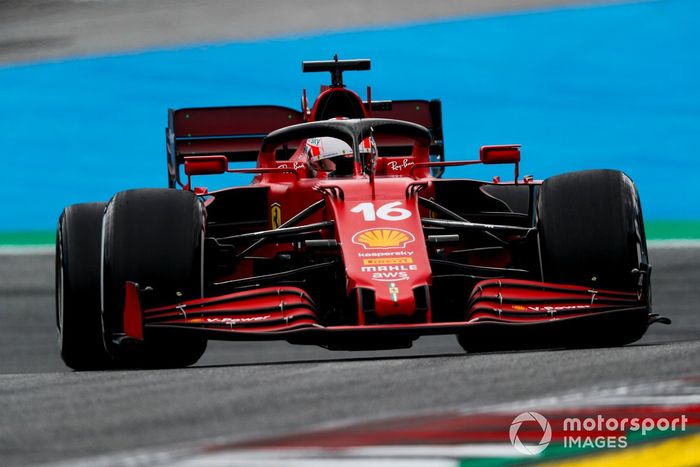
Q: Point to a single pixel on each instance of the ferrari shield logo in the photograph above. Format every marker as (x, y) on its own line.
(276, 215)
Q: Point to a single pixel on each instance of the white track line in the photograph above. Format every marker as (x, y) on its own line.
(678, 243)
(32, 250)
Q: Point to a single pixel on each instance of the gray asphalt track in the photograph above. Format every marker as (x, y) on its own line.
(39, 29)
(244, 390)
(247, 390)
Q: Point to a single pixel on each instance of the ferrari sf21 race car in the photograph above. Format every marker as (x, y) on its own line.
(365, 258)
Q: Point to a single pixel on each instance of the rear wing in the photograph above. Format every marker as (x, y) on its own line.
(237, 132)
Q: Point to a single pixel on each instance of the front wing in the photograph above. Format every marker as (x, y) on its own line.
(504, 312)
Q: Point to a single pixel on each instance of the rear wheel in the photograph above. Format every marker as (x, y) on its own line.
(153, 237)
(78, 287)
(592, 233)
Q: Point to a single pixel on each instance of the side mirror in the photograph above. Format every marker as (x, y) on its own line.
(502, 154)
(206, 165)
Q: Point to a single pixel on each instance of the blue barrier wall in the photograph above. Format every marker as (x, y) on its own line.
(615, 86)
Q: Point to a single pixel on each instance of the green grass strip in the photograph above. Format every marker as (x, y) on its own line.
(672, 230)
(31, 238)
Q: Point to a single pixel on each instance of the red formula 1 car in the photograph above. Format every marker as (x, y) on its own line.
(347, 238)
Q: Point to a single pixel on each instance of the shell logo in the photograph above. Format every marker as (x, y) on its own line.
(383, 238)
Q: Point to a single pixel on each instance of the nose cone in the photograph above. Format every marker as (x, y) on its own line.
(383, 246)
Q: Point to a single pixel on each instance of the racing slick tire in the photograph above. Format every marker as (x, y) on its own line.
(152, 237)
(592, 233)
(78, 287)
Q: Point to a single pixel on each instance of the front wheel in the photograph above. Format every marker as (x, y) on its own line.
(592, 234)
(591, 230)
(153, 237)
